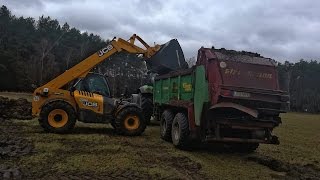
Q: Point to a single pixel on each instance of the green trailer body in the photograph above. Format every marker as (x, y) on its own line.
(187, 86)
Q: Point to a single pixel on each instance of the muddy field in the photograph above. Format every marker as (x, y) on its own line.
(94, 151)
(15, 108)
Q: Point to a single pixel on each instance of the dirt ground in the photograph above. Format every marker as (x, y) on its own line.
(94, 151)
(15, 108)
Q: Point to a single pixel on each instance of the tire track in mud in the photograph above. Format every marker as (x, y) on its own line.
(82, 147)
(145, 155)
(12, 146)
(157, 155)
(119, 174)
(291, 171)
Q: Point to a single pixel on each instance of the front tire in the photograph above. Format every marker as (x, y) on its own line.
(146, 106)
(57, 117)
(166, 125)
(180, 131)
(130, 122)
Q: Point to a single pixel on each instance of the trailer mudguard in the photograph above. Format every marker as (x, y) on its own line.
(247, 110)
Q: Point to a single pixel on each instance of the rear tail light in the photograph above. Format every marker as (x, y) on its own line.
(226, 93)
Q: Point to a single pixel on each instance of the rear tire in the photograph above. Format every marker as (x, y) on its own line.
(130, 122)
(166, 125)
(180, 131)
(146, 106)
(57, 117)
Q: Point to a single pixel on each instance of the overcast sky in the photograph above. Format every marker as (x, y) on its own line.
(282, 30)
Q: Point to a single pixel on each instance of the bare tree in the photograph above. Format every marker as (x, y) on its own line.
(191, 61)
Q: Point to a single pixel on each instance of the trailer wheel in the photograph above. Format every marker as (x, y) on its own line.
(57, 117)
(180, 131)
(166, 125)
(130, 122)
(146, 106)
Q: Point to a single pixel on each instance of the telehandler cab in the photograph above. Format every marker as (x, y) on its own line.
(89, 99)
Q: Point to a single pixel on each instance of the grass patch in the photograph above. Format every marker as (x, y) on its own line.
(94, 150)
(300, 140)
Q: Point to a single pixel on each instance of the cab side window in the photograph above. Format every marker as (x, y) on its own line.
(79, 86)
(97, 84)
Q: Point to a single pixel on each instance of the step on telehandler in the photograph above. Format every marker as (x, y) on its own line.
(88, 98)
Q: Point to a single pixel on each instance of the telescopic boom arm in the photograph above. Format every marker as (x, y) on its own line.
(116, 45)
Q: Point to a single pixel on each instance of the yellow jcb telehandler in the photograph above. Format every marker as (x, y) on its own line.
(89, 99)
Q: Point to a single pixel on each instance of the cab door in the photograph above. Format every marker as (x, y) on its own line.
(98, 84)
(93, 90)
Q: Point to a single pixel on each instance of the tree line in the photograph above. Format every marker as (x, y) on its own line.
(303, 84)
(32, 52)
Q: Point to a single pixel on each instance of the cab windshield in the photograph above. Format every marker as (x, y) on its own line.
(94, 83)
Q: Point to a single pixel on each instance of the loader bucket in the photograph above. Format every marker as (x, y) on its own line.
(169, 58)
